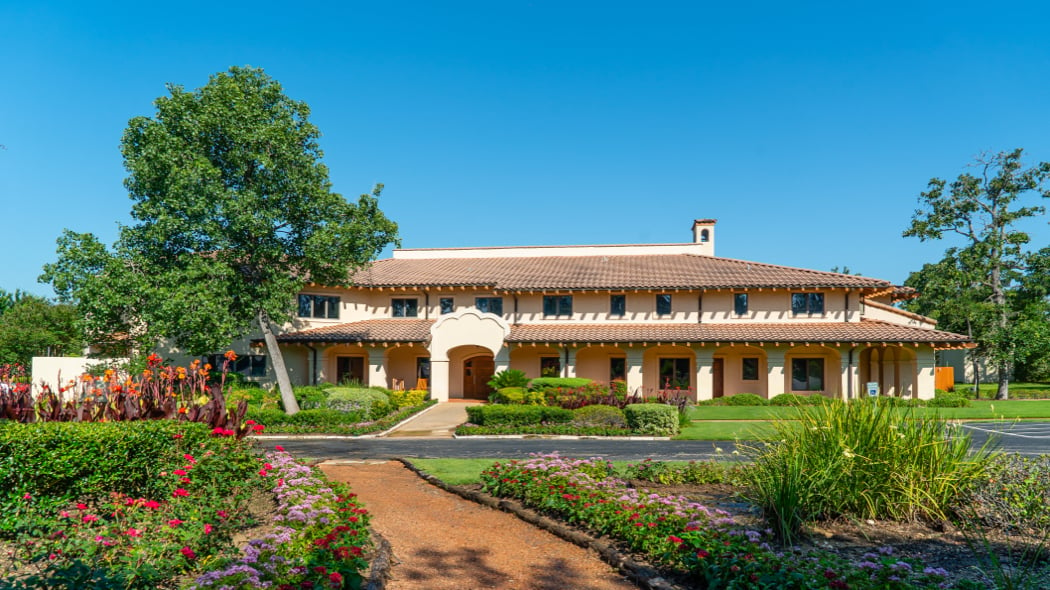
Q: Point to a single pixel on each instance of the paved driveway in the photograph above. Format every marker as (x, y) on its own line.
(1022, 438)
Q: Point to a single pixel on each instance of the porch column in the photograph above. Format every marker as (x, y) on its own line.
(775, 373)
(705, 373)
(924, 381)
(502, 360)
(377, 364)
(315, 367)
(890, 374)
(569, 356)
(439, 380)
(850, 374)
(635, 382)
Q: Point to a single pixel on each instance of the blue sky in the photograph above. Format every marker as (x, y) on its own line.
(807, 129)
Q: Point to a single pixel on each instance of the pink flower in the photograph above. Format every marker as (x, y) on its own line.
(133, 532)
(222, 514)
(207, 529)
(27, 497)
(262, 472)
(179, 472)
(174, 522)
(188, 553)
(180, 492)
(189, 458)
(176, 436)
(81, 506)
(152, 504)
(90, 518)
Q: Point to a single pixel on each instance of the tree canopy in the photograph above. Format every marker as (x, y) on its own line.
(978, 287)
(33, 326)
(233, 214)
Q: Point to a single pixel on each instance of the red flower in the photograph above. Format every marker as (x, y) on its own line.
(207, 529)
(674, 539)
(701, 554)
(152, 504)
(180, 492)
(179, 472)
(174, 522)
(90, 518)
(189, 458)
(27, 497)
(278, 448)
(188, 553)
(133, 532)
(81, 506)
(262, 472)
(336, 578)
(258, 428)
(176, 436)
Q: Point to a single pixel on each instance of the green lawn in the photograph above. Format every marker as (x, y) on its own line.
(726, 430)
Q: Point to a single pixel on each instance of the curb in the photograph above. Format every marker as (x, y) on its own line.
(642, 575)
(379, 574)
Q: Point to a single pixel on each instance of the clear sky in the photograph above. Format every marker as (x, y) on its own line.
(807, 129)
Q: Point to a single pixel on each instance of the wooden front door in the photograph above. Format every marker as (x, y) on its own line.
(477, 372)
(718, 378)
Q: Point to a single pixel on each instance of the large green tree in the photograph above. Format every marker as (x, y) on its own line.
(977, 282)
(233, 214)
(33, 326)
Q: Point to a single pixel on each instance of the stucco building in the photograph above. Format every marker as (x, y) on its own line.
(654, 316)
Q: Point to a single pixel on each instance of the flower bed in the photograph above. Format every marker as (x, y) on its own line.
(705, 544)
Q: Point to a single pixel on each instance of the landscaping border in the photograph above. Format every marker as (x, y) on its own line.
(644, 576)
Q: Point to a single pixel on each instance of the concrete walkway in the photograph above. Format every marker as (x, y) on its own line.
(439, 421)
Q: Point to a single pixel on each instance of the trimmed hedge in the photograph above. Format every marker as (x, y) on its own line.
(652, 419)
(558, 382)
(275, 419)
(746, 399)
(374, 403)
(497, 415)
(605, 416)
(407, 398)
(794, 399)
(517, 395)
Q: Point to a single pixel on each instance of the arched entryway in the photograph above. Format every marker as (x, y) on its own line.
(477, 372)
(892, 367)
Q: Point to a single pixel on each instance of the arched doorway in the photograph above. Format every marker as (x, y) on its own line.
(477, 372)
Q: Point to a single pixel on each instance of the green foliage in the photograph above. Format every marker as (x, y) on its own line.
(693, 472)
(517, 395)
(276, 420)
(499, 415)
(864, 460)
(309, 397)
(408, 398)
(608, 416)
(542, 383)
(745, 399)
(652, 419)
(794, 399)
(948, 399)
(372, 402)
(559, 429)
(1012, 496)
(33, 326)
(508, 378)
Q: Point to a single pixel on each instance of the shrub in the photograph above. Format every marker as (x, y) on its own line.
(946, 399)
(276, 419)
(1014, 495)
(509, 378)
(693, 472)
(408, 398)
(309, 397)
(541, 383)
(746, 399)
(496, 415)
(600, 416)
(373, 402)
(517, 395)
(794, 399)
(652, 419)
(865, 460)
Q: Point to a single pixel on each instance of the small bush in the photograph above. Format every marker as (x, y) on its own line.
(517, 395)
(275, 419)
(607, 416)
(308, 397)
(542, 383)
(374, 403)
(509, 378)
(746, 399)
(652, 419)
(794, 399)
(496, 415)
(693, 472)
(407, 398)
(946, 399)
(1014, 497)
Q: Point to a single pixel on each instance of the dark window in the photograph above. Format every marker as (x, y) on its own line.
(404, 308)
(740, 303)
(489, 304)
(557, 305)
(674, 374)
(807, 374)
(318, 306)
(617, 369)
(550, 366)
(423, 367)
(248, 365)
(807, 303)
(704, 236)
(350, 369)
(750, 369)
(617, 305)
(448, 305)
(663, 304)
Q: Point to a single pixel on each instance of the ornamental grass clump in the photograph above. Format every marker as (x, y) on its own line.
(864, 459)
(707, 544)
(319, 537)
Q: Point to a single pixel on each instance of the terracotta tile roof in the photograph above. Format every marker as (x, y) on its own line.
(415, 330)
(381, 330)
(653, 271)
(863, 331)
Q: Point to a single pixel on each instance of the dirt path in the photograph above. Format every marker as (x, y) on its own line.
(443, 541)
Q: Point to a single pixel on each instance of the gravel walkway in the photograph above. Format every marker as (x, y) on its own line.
(443, 541)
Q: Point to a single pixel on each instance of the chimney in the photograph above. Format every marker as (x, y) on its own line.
(704, 235)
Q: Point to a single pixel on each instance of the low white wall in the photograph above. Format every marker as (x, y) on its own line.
(51, 369)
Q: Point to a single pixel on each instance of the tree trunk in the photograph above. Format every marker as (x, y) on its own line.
(976, 376)
(284, 385)
(1004, 381)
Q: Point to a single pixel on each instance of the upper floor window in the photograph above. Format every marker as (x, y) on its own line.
(557, 305)
(807, 303)
(663, 304)
(404, 308)
(318, 306)
(448, 305)
(740, 303)
(489, 304)
(617, 305)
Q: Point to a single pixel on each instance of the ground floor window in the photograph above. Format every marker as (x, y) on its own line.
(550, 366)
(350, 369)
(807, 374)
(423, 367)
(248, 365)
(674, 373)
(749, 371)
(617, 369)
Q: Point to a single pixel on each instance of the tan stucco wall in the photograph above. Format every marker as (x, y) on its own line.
(527, 358)
(56, 371)
(733, 381)
(593, 362)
